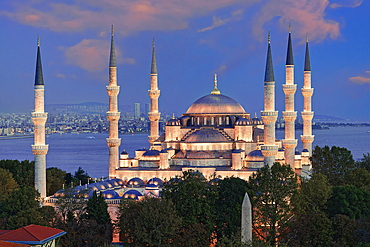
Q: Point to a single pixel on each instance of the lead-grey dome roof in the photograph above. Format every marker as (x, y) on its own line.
(215, 104)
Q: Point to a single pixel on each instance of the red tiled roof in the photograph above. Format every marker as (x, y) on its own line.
(32, 234)
(4, 231)
(9, 244)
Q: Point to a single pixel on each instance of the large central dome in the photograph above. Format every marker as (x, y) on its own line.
(215, 104)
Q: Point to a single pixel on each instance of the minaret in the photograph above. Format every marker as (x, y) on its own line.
(39, 117)
(269, 115)
(307, 115)
(289, 114)
(113, 114)
(154, 93)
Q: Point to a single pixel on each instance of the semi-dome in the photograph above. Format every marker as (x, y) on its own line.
(255, 155)
(206, 136)
(200, 155)
(242, 122)
(215, 104)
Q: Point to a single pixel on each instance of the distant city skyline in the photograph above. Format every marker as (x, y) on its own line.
(193, 41)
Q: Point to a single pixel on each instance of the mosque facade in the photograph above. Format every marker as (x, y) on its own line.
(216, 136)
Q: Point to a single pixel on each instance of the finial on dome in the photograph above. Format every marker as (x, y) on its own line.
(269, 37)
(255, 114)
(38, 40)
(173, 115)
(215, 90)
(290, 30)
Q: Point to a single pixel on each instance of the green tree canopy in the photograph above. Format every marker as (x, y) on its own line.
(97, 209)
(312, 196)
(351, 201)
(7, 183)
(194, 199)
(149, 222)
(271, 190)
(334, 163)
(364, 162)
(231, 192)
(358, 177)
(23, 172)
(82, 176)
(54, 180)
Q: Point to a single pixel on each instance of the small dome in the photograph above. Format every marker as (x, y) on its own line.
(242, 122)
(200, 155)
(151, 153)
(135, 182)
(255, 155)
(132, 194)
(110, 194)
(281, 149)
(237, 151)
(215, 104)
(305, 150)
(163, 151)
(103, 185)
(297, 152)
(124, 152)
(151, 186)
(156, 181)
(173, 122)
(207, 136)
(256, 121)
(59, 193)
(226, 155)
(180, 155)
(115, 182)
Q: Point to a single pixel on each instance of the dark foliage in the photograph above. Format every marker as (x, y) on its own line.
(23, 172)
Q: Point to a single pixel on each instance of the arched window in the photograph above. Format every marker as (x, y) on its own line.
(192, 121)
(198, 120)
(227, 120)
(220, 120)
(204, 121)
(212, 121)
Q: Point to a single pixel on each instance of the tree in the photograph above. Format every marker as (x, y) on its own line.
(312, 230)
(23, 198)
(358, 177)
(231, 192)
(149, 222)
(7, 183)
(364, 162)
(312, 196)
(25, 218)
(351, 201)
(194, 200)
(54, 180)
(271, 190)
(334, 163)
(23, 172)
(82, 176)
(343, 230)
(97, 209)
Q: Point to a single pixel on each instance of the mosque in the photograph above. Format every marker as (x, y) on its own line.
(215, 136)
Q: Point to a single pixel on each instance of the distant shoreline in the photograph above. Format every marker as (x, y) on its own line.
(15, 137)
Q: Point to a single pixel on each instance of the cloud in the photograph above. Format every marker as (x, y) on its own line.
(59, 75)
(346, 3)
(127, 15)
(92, 55)
(305, 16)
(360, 80)
(219, 22)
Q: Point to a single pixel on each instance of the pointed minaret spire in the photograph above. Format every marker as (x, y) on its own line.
(307, 64)
(154, 62)
(112, 60)
(289, 55)
(269, 73)
(39, 79)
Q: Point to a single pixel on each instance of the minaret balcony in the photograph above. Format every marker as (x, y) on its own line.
(40, 149)
(39, 115)
(154, 116)
(269, 116)
(290, 89)
(113, 142)
(154, 94)
(269, 150)
(307, 115)
(307, 139)
(290, 143)
(113, 90)
(290, 116)
(307, 92)
(113, 116)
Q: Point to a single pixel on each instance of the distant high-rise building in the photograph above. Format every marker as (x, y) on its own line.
(137, 110)
(147, 110)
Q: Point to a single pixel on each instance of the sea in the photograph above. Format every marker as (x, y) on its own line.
(90, 151)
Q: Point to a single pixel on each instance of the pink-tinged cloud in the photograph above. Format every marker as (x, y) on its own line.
(93, 55)
(305, 17)
(127, 15)
(360, 80)
(217, 22)
(346, 3)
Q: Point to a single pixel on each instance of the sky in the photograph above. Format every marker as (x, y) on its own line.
(194, 39)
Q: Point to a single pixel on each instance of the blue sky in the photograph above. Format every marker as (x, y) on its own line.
(194, 39)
